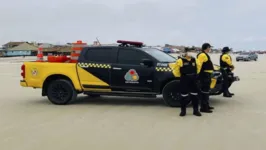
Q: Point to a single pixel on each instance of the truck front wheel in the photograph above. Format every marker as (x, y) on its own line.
(61, 92)
(171, 94)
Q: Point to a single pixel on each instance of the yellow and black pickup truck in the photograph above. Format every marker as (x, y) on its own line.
(124, 70)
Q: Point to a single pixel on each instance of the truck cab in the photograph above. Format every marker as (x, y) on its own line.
(124, 70)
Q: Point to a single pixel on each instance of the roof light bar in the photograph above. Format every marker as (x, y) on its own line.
(138, 44)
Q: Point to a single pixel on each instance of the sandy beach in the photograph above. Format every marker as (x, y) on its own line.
(30, 122)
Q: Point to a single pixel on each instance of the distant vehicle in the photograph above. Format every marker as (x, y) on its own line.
(262, 52)
(167, 50)
(175, 50)
(247, 57)
(159, 48)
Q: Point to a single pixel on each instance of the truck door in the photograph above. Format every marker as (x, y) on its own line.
(129, 75)
(94, 68)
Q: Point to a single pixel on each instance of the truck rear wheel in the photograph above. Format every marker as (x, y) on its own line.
(61, 92)
(171, 94)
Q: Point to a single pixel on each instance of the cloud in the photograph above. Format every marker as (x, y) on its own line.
(254, 39)
(189, 22)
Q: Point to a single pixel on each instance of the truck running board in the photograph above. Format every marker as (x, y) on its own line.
(128, 94)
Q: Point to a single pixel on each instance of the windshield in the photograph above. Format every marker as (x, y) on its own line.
(159, 55)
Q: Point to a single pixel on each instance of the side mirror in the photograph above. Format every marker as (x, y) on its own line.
(147, 62)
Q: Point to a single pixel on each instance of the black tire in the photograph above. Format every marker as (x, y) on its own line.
(61, 92)
(237, 60)
(171, 94)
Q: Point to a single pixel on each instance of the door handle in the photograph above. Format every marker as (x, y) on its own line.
(115, 68)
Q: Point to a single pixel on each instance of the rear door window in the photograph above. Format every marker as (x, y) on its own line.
(101, 55)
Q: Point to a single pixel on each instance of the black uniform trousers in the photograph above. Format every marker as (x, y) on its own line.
(226, 82)
(205, 83)
(188, 87)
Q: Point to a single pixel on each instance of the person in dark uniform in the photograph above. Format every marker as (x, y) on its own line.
(186, 66)
(206, 69)
(226, 68)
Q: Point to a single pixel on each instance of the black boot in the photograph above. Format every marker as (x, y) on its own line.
(205, 107)
(183, 112)
(227, 94)
(196, 110)
(195, 103)
(183, 105)
(231, 93)
(208, 104)
(196, 113)
(205, 110)
(210, 107)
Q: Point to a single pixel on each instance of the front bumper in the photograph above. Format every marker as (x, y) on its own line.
(236, 78)
(23, 83)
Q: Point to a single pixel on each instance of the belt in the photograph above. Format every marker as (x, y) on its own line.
(208, 71)
(190, 74)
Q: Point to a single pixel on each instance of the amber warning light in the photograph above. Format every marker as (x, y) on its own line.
(123, 43)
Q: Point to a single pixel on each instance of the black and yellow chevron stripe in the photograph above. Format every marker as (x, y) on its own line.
(94, 65)
(163, 69)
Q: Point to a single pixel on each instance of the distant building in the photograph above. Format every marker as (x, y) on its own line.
(57, 50)
(23, 49)
(180, 48)
(12, 44)
(45, 45)
(2, 51)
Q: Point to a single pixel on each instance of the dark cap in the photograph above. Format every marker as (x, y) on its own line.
(206, 46)
(226, 49)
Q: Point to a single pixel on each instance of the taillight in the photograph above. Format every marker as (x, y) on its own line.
(23, 71)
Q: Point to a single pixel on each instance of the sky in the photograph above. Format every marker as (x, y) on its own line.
(239, 24)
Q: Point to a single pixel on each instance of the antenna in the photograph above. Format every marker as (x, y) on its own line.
(98, 41)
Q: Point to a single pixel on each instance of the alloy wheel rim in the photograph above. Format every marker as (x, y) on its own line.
(60, 92)
(174, 95)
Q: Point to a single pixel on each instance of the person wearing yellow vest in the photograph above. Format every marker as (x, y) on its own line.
(206, 69)
(226, 68)
(186, 66)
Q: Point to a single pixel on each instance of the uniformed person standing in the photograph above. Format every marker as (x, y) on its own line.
(187, 67)
(206, 69)
(226, 68)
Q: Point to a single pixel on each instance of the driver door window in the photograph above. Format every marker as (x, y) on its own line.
(130, 57)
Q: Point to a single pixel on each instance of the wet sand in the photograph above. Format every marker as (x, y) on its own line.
(30, 122)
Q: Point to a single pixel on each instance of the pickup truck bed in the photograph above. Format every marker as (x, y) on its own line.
(37, 74)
